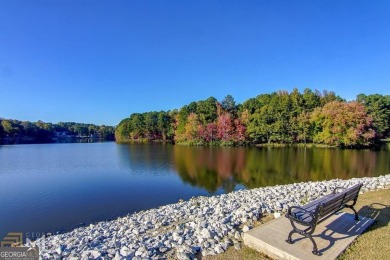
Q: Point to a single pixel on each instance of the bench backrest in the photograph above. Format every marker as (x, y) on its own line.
(338, 201)
(352, 192)
(331, 205)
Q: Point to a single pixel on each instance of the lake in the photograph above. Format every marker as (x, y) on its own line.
(56, 187)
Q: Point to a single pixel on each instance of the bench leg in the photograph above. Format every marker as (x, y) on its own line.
(306, 233)
(315, 249)
(288, 240)
(356, 215)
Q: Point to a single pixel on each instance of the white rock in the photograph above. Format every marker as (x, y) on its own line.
(59, 250)
(183, 256)
(245, 228)
(163, 249)
(117, 256)
(95, 254)
(125, 251)
(206, 233)
(218, 249)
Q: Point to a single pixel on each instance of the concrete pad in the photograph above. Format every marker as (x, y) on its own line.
(332, 237)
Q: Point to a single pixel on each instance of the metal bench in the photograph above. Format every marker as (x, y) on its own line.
(318, 210)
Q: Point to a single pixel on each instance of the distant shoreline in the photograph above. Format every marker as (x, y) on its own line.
(55, 141)
(382, 144)
(11, 141)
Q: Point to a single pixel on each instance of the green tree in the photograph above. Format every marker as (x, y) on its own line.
(207, 110)
(269, 122)
(265, 99)
(150, 124)
(262, 125)
(281, 108)
(29, 128)
(297, 103)
(123, 130)
(304, 127)
(329, 96)
(251, 105)
(8, 127)
(311, 100)
(378, 106)
(1, 129)
(229, 105)
(164, 125)
(137, 126)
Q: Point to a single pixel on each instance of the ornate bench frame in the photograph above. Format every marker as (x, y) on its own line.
(317, 211)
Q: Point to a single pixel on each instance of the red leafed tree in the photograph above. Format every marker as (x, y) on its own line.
(240, 131)
(208, 132)
(225, 129)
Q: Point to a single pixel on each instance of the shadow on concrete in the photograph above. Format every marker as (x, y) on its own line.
(377, 212)
(345, 226)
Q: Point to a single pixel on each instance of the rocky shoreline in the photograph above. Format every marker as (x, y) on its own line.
(202, 225)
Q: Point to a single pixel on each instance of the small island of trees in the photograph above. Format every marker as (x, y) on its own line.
(320, 118)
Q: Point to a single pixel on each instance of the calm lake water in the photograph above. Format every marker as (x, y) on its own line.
(56, 187)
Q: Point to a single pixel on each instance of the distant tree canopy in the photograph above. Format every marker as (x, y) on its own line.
(279, 117)
(44, 132)
(146, 126)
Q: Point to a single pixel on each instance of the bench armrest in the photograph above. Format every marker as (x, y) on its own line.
(295, 217)
(338, 189)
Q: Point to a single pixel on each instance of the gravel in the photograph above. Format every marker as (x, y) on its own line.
(202, 225)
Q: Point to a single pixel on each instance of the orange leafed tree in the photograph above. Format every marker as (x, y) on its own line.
(342, 124)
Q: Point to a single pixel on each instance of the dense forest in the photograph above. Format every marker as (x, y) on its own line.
(277, 118)
(15, 131)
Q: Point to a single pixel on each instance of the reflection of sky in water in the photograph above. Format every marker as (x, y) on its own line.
(50, 187)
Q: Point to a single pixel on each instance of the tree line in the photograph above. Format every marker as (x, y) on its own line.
(277, 118)
(25, 131)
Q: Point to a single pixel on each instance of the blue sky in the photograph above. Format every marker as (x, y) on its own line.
(100, 61)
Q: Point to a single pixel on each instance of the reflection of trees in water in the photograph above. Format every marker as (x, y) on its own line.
(214, 167)
(209, 167)
(272, 166)
(145, 157)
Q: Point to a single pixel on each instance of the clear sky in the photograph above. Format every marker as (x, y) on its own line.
(100, 61)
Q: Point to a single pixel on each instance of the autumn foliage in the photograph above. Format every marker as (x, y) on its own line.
(342, 124)
(276, 118)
